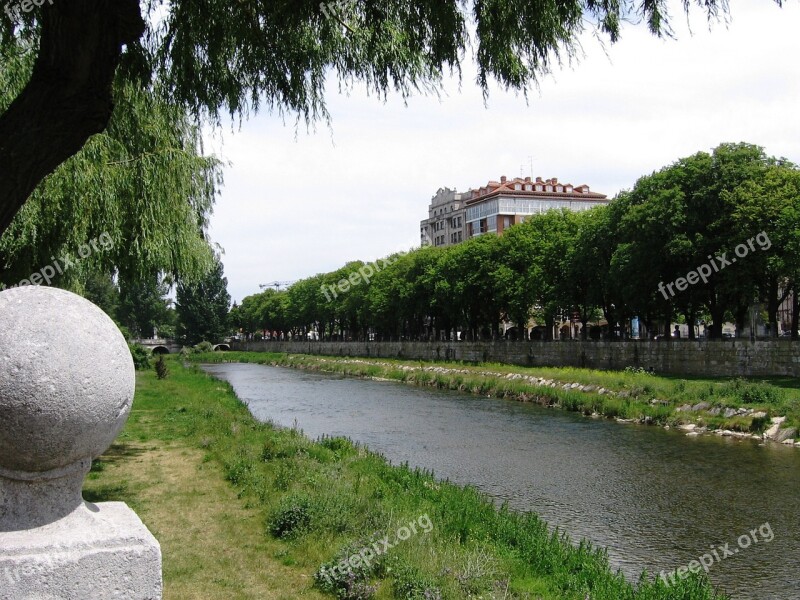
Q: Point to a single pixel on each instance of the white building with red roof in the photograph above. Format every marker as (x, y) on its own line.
(501, 204)
(454, 217)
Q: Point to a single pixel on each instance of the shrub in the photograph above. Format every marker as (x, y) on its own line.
(140, 355)
(292, 518)
(161, 368)
(341, 446)
(204, 347)
(759, 393)
(345, 581)
(638, 371)
(410, 584)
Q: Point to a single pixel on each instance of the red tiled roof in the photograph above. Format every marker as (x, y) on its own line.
(506, 186)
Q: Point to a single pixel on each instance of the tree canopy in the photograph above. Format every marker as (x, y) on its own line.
(610, 262)
(143, 187)
(235, 57)
(202, 308)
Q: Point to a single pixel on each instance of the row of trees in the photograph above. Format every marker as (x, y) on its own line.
(607, 263)
(144, 309)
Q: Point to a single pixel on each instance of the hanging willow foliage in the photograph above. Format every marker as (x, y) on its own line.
(144, 182)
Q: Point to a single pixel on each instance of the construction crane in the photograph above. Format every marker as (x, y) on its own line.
(276, 284)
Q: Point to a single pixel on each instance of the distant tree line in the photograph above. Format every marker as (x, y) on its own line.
(646, 254)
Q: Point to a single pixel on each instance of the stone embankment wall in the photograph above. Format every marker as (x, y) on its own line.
(729, 358)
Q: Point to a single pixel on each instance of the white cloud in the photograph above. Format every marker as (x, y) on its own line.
(295, 204)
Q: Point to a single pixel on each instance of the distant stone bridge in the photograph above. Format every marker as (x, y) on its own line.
(167, 346)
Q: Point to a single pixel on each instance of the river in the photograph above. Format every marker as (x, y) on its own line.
(656, 499)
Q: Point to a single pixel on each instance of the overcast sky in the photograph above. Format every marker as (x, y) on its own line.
(297, 203)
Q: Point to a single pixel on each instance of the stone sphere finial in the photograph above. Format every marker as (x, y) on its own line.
(66, 383)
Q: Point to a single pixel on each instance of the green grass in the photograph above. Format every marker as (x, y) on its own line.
(313, 503)
(639, 396)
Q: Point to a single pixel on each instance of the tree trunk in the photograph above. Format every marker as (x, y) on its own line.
(741, 314)
(772, 307)
(549, 322)
(68, 98)
(795, 311)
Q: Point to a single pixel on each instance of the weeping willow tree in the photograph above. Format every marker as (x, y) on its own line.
(135, 200)
(216, 57)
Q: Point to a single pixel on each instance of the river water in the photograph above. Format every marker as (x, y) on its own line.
(656, 499)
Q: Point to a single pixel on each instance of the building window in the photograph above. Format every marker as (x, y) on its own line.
(539, 188)
(549, 188)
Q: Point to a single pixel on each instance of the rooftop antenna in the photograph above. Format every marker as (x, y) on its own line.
(529, 165)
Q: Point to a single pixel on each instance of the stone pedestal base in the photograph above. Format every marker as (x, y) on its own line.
(99, 551)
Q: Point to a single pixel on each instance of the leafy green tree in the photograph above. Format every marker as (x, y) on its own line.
(467, 277)
(675, 220)
(143, 306)
(769, 207)
(142, 188)
(550, 237)
(515, 276)
(235, 57)
(586, 266)
(100, 289)
(307, 306)
(202, 308)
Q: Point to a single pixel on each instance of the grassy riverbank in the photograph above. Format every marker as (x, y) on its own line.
(248, 510)
(734, 407)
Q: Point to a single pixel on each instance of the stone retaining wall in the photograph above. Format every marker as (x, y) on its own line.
(730, 358)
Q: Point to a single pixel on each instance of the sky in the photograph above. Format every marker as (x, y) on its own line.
(298, 202)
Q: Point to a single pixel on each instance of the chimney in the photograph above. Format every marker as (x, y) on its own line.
(555, 180)
(539, 180)
(503, 179)
(527, 180)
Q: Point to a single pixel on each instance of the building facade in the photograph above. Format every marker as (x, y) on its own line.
(454, 217)
(501, 204)
(445, 224)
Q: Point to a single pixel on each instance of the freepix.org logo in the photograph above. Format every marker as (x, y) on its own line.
(715, 265)
(59, 266)
(366, 555)
(762, 533)
(362, 275)
(13, 9)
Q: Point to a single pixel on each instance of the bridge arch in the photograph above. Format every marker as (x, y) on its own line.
(222, 347)
(160, 350)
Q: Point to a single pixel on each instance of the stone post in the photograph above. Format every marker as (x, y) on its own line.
(66, 387)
